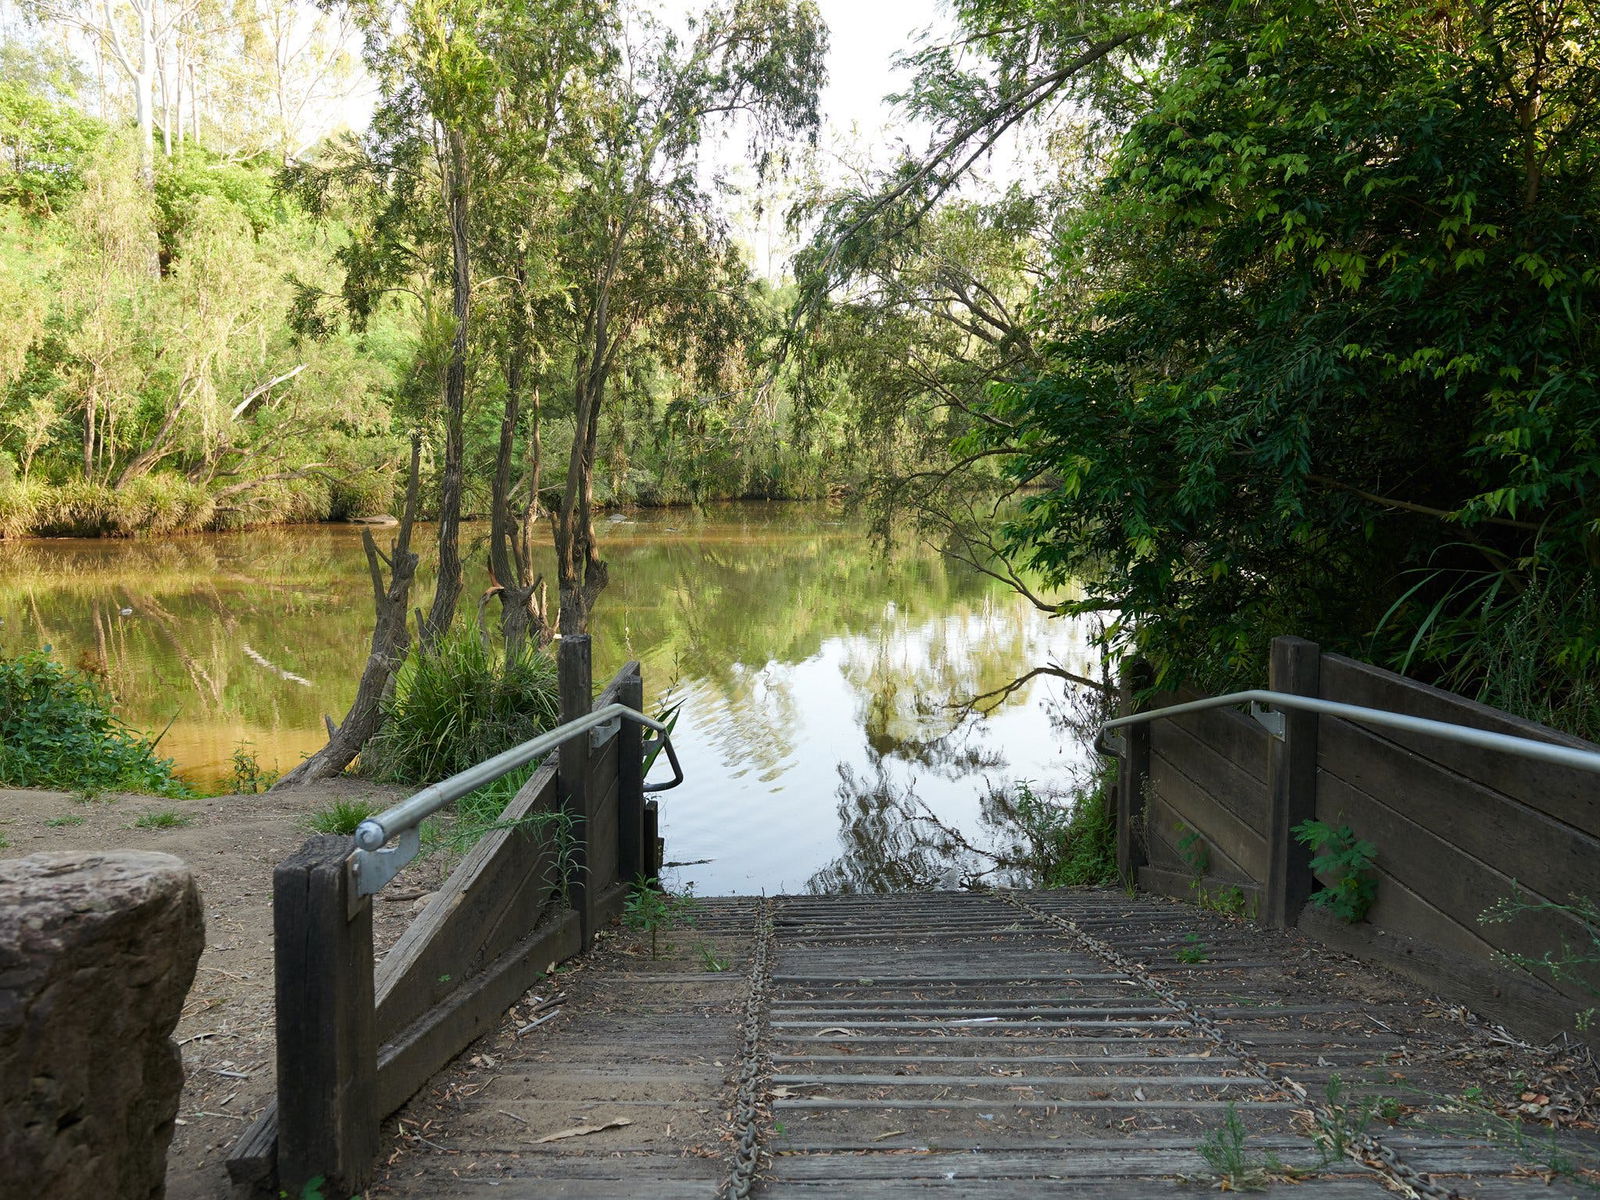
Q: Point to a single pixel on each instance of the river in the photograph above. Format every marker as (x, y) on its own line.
(816, 675)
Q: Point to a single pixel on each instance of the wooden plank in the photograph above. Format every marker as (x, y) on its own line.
(1512, 838)
(1225, 781)
(502, 889)
(415, 1054)
(577, 691)
(603, 793)
(1451, 888)
(1236, 737)
(630, 780)
(327, 1044)
(1291, 784)
(253, 1160)
(1565, 793)
(1133, 773)
(1242, 848)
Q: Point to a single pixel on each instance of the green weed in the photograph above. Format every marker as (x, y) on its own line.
(249, 776)
(1576, 965)
(341, 817)
(1193, 950)
(58, 822)
(650, 910)
(1237, 1170)
(167, 818)
(1340, 853)
(709, 961)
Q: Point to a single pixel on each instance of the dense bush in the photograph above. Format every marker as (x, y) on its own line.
(57, 730)
(458, 704)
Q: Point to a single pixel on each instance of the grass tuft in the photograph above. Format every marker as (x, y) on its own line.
(342, 816)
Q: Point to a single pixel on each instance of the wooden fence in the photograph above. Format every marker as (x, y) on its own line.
(1206, 803)
(354, 1043)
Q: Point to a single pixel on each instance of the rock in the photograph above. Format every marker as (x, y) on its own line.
(97, 952)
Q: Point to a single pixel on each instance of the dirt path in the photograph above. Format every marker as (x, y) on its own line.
(232, 843)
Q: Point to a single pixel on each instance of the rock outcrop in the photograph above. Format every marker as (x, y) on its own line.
(97, 952)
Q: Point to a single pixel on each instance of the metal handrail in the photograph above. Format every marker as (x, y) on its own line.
(374, 865)
(1567, 756)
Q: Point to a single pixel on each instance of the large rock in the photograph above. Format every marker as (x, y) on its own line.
(97, 952)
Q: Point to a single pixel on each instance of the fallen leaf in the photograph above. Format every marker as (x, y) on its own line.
(581, 1130)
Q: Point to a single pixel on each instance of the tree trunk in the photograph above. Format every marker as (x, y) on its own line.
(521, 607)
(390, 640)
(448, 590)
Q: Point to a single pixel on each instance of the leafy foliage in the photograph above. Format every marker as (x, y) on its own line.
(57, 730)
(1319, 356)
(1575, 965)
(1341, 854)
(458, 703)
(651, 909)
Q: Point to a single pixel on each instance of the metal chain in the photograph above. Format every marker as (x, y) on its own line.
(749, 1114)
(1363, 1147)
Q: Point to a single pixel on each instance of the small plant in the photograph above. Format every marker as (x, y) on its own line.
(1236, 1169)
(1229, 900)
(650, 910)
(1341, 854)
(58, 822)
(709, 960)
(5, 842)
(341, 817)
(249, 777)
(1576, 965)
(1192, 849)
(1193, 950)
(167, 818)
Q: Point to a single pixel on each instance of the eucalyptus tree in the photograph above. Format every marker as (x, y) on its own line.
(644, 256)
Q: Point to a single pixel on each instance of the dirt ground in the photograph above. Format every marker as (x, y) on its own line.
(232, 843)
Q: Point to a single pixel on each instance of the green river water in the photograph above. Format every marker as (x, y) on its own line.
(816, 674)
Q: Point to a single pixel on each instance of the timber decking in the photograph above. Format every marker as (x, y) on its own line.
(945, 1043)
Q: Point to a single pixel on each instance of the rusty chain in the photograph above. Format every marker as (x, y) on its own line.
(749, 1113)
(1361, 1146)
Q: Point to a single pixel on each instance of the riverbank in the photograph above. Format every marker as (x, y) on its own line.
(164, 505)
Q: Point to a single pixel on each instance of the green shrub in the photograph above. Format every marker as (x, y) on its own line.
(342, 816)
(57, 730)
(1071, 845)
(20, 506)
(458, 704)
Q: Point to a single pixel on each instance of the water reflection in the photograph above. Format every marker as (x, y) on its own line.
(809, 667)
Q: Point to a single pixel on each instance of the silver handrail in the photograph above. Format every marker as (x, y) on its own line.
(1567, 756)
(374, 865)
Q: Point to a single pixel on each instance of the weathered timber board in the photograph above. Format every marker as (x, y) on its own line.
(1562, 792)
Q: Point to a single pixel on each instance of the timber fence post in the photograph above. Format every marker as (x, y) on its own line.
(575, 676)
(1291, 783)
(1133, 771)
(327, 1035)
(630, 782)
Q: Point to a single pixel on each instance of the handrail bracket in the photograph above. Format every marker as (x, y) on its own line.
(1269, 719)
(371, 869)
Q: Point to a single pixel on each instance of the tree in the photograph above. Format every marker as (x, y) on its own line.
(1336, 374)
(641, 252)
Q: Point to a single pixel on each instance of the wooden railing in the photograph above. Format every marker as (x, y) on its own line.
(1207, 801)
(354, 1043)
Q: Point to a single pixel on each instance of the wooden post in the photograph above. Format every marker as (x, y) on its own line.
(1134, 771)
(327, 1042)
(652, 838)
(630, 782)
(1291, 784)
(577, 700)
